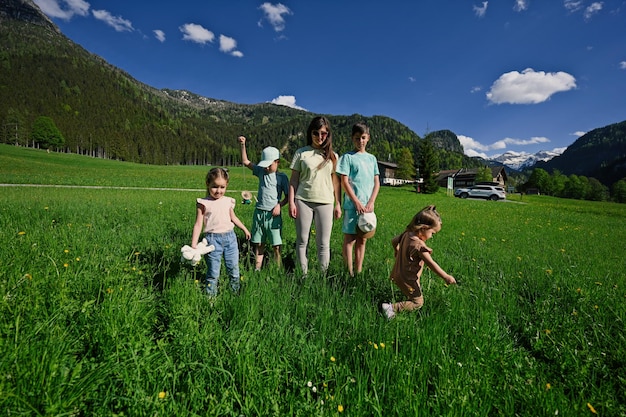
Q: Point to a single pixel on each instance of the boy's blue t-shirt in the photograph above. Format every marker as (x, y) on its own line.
(361, 169)
(272, 188)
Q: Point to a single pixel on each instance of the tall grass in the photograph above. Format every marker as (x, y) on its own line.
(99, 317)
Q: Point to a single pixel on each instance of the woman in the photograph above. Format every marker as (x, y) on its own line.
(315, 192)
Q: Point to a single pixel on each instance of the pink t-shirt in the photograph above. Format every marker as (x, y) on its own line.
(216, 214)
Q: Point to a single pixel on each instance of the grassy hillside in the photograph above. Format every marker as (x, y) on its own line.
(99, 317)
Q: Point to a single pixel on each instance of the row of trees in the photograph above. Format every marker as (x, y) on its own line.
(574, 186)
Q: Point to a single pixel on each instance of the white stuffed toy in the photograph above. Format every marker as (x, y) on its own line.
(193, 256)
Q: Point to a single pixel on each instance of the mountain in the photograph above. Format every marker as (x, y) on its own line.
(102, 111)
(599, 154)
(523, 160)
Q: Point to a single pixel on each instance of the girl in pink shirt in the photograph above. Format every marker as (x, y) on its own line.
(215, 217)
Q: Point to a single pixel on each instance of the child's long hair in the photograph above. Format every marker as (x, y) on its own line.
(212, 175)
(327, 146)
(426, 218)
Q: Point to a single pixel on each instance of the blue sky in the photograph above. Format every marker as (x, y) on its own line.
(507, 75)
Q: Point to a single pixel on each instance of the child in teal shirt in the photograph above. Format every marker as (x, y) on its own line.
(359, 174)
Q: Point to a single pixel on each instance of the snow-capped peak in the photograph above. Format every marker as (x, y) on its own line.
(521, 160)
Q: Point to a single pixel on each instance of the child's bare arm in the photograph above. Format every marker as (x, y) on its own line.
(370, 204)
(197, 227)
(244, 153)
(434, 266)
(239, 224)
(345, 183)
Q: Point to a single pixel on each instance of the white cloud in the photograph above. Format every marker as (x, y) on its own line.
(116, 22)
(592, 9)
(476, 89)
(578, 133)
(520, 5)
(529, 87)
(622, 65)
(472, 147)
(504, 143)
(412, 79)
(573, 5)
(480, 11)
(159, 34)
(289, 101)
(196, 33)
(273, 13)
(53, 8)
(229, 46)
(472, 153)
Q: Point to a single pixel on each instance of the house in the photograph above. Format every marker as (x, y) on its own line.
(465, 177)
(387, 171)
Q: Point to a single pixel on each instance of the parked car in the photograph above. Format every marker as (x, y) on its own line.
(490, 192)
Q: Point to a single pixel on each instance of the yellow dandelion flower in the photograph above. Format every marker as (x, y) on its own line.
(375, 346)
(162, 394)
(77, 259)
(548, 386)
(332, 359)
(519, 258)
(482, 239)
(65, 265)
(340, 408)
(578, 290)
(109, 290)
(593, 410)
(596, 307)
(28, 276)
(549, 271)
(574, 313)
(66, 251)
(242, 278)
(21, 233)
(562, 250)
(382, 345)
(45, 208)
(137, 253)
(547, 331)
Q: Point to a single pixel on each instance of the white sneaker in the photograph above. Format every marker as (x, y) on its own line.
(388, 309)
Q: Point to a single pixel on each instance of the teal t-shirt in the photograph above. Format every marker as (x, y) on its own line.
(361, 169)
(272, 188)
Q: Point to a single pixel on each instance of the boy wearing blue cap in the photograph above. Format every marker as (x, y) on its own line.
(272, 195)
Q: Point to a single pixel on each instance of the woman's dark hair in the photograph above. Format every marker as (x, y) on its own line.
(327, 147)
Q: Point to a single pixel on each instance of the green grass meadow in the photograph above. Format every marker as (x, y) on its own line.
(98, 316)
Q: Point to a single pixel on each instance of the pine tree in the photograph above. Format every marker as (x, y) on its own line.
(406, 165)
(429, 167)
